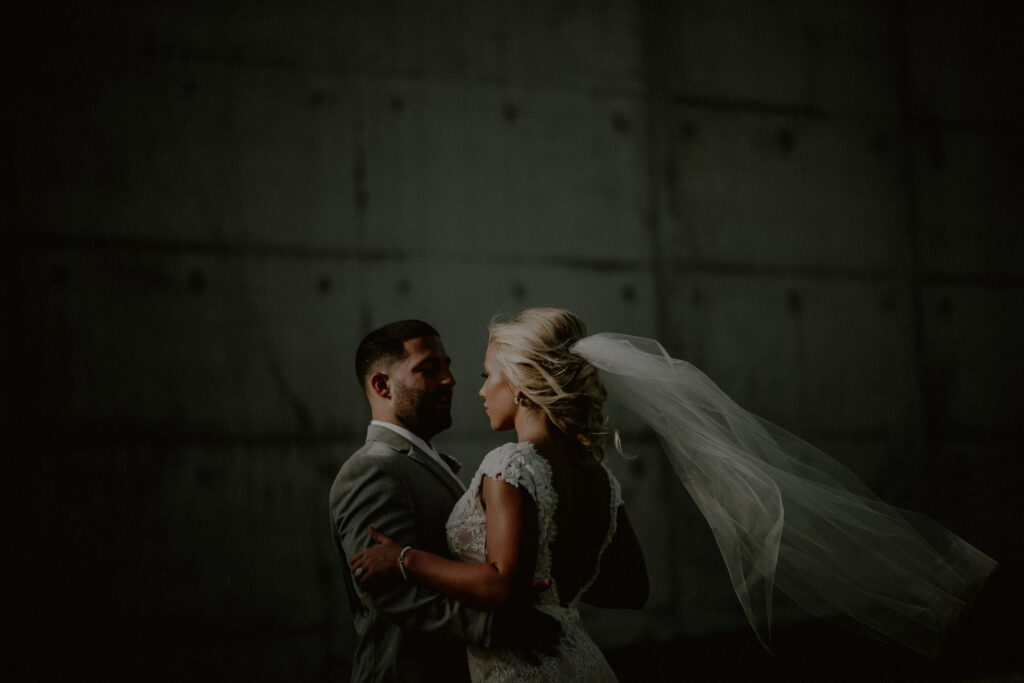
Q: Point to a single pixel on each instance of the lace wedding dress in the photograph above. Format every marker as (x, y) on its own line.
(578, 659)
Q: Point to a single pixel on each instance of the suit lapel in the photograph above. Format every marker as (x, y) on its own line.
(403, 445)
(452, 463)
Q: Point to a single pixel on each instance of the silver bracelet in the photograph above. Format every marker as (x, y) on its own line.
(401, 562)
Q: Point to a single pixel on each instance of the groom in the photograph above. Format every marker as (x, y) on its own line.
(406, 489)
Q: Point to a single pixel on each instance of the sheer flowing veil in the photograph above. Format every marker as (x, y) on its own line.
(786, 515)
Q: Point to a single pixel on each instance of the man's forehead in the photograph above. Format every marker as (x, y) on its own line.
(424, 346)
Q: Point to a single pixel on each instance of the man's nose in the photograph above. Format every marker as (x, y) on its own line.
(448, 378)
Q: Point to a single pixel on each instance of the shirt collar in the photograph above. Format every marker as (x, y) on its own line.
(421, 444)
(413, 439)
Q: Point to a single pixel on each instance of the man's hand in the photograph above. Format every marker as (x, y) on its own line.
(375, 569)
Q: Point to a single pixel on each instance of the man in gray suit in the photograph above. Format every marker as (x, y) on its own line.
(401, 485)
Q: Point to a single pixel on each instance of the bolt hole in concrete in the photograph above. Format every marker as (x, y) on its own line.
(795, 302)
(197, 281)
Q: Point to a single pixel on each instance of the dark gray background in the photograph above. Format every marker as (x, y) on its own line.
(208, 203)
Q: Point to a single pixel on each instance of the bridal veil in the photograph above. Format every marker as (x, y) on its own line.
(786, 515)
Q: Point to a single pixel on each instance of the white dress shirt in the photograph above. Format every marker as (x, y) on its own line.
(421, 444)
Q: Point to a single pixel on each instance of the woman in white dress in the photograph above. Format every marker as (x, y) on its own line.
(784, 514)
(541, 508)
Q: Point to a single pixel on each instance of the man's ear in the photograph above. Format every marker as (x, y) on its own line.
(380, 384)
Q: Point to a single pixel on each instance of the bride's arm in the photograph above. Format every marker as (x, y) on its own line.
(511, 551)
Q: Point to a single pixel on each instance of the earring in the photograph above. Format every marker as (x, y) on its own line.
(515, 399)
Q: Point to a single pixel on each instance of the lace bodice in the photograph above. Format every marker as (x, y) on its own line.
(520, 465)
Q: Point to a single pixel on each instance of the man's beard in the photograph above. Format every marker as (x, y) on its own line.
(419, 410)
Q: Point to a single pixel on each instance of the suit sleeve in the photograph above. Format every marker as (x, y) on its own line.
(370, 494)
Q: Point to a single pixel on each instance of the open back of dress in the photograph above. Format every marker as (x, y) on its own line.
(520, 465)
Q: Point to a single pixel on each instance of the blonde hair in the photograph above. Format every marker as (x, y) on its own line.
(532, 352)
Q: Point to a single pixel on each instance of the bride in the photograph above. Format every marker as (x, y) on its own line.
(783, 513)
(541, 508)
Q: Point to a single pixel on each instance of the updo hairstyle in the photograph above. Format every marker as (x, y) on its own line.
(532, 352)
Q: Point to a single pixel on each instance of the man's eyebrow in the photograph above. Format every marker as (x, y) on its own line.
(433, 360)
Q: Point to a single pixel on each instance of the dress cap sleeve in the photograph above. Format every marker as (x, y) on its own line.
(520, 465)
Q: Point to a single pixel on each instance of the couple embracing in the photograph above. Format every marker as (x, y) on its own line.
(453, 583)
(450, 584)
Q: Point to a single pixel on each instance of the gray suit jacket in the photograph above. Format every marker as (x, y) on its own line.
(411, 633)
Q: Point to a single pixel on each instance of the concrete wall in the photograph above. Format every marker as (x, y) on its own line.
(208, 204)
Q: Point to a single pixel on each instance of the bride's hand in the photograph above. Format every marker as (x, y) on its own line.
(376, 568)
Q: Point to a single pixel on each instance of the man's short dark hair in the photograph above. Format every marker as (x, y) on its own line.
(385, 345)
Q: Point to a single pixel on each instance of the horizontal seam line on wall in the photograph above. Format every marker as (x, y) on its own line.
(385, 255)
(929, 278)
(157, 438)
(749, 106)
(315, 253)
(103, 242)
